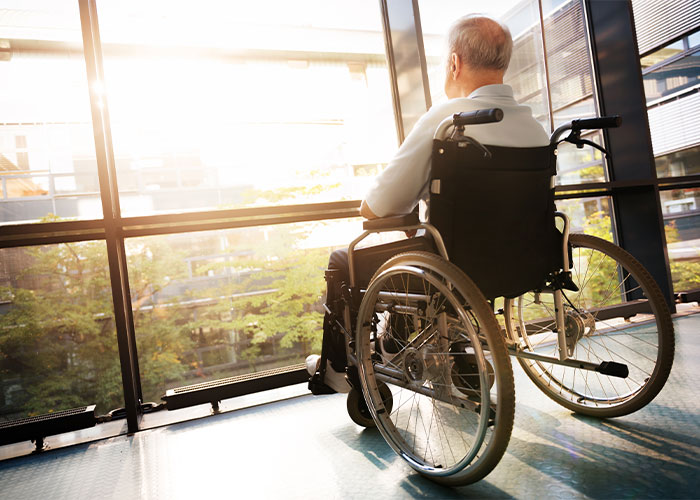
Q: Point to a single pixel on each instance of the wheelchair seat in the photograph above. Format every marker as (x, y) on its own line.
(495, 213)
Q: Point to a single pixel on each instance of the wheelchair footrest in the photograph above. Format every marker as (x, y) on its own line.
(317, 387)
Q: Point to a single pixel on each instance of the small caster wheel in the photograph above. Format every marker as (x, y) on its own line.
(357, 407)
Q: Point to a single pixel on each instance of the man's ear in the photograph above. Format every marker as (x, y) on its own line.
(455, 65)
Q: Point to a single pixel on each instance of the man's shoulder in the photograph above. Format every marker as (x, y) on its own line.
(444, 109)
(457, 105)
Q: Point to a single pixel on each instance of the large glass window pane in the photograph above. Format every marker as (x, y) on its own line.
(673, 77)
(58, 346)
(685, 162)
(579, 165)
(568, 55)
(216, 304)
(589, 215)
(681, 209)
(231, 104)
(662, 54)
(694, 40)
(47, 152)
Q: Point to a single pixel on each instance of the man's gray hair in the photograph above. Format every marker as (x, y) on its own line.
(481, 42)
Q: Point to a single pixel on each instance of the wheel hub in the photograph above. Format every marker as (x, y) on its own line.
(414, 366)
(577, 325)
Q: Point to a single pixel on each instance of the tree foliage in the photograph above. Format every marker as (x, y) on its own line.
(684, 273)
(58, 343)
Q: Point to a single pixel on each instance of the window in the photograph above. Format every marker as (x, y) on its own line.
(270, 103)
(45, 121)
(217, 304)
(680, 163)
(672, 77)
(681, 209)
(694, 40)
(568, 55)
(59, 346)
(589, 215)
(663, 54)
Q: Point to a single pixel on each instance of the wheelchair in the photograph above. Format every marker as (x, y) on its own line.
(428, 339)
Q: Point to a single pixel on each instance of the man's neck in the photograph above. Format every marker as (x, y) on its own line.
(471, 80)
(467, 90)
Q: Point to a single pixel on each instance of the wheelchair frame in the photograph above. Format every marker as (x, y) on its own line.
(570, 324)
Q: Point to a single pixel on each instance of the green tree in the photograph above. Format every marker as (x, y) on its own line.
(58, 339)
(685, 274)
(162, 336)
(276, 299)
(58, 335)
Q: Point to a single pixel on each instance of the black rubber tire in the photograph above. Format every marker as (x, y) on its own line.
(489, 454)
(357, 407)
(543, 377)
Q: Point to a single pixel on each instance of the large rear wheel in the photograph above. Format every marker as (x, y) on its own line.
(618, 314)
(426, 331)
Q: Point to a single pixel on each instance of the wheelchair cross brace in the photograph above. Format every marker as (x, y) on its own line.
(395, 377)
(605, 367)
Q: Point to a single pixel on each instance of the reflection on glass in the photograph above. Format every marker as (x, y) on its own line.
(685, 162)
(58, 345)
(222, 303)
(694, 40)
(582, 165)
(582, 109)
(262, 104)
(662, 54)
(673, 77)
(526, 73)
(681, 209)
(45, 123)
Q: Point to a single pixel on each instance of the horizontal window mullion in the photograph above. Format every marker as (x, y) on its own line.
(13, 241)
(685, 182)
(193, 226)
(243, 214)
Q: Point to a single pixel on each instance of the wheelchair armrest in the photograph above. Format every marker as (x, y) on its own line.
(389, 223)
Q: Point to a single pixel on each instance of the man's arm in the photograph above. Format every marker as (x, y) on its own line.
(397, 189)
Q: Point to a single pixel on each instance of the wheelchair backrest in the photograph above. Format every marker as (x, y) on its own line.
(496, 215)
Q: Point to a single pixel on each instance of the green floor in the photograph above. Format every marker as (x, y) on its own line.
(307, 447)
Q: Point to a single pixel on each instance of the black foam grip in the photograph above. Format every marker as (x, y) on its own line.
(613, 369)
(593, 123)
(477, 117)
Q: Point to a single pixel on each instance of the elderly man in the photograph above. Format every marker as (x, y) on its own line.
(479, 52)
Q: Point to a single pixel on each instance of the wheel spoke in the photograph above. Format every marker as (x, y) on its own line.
(442, 358)
(604, 274)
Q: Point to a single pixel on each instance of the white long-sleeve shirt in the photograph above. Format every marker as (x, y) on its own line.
(404, 182)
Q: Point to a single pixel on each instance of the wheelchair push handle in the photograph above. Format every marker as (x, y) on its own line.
(458, 121)
(596, 123)
(576, 126)
(477, 117)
